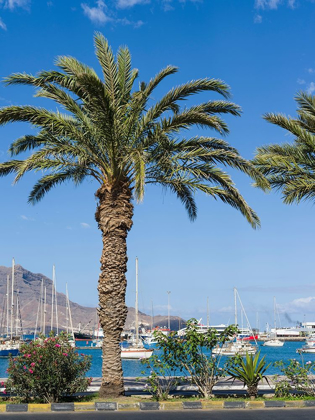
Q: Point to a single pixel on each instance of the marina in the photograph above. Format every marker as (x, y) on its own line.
(133, 368)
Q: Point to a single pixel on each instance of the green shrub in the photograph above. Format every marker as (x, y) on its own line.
(162, 377)
(48, 369)
(192, 355)
(298, 378)
(249, 371)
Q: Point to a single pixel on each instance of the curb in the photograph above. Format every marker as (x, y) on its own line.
(155, 406)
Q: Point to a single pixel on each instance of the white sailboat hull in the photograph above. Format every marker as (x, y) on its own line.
(232, 349)
(136, 353)
(273, 343)
(306, 350)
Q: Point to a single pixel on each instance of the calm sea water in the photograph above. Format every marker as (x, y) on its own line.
(134, 367)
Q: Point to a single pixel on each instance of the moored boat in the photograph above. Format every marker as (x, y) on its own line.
(273, 343)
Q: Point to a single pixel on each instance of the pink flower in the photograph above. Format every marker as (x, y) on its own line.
(34, 352)
(57, 345)
(33, 364)
(4, 391)
(2, 383)
(24, 367)
(40, 357)
(65, 354)
(29, 355)
(30, 371)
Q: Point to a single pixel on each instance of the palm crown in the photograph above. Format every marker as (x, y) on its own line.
(290, 167)
(111, 133)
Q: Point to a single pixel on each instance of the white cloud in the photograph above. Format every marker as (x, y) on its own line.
(12, 4)
(311, 71)
(301, 305)
(310, 88)
(125, 21)
(301, 81)
(85, 225)
(267, 4)
(258, 19)
(122, 4)
(97, 14)
(29, 219)
(4, 27)
(273, 4)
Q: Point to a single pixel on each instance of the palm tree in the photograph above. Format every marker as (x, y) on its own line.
(116, 135)
(290, 167)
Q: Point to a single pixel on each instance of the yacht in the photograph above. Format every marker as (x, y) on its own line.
(233, 348)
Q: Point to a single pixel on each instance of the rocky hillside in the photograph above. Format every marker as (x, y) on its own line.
(28, 288)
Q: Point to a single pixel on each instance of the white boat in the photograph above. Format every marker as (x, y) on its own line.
(9, 348)
(233, 348)
(10, 344)
(136, 351)
(308, 348)
(273, 343)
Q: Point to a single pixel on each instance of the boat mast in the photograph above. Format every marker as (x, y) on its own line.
(8, 293)
(274, 314)
(44, 320)
(17, 315)
(70, 318)
(56, 303)
(136, 306)
(12, 298)
(67, 309)
(208, 317)
(52, 300)
(41, 306)
(152, 316)
(235, 307)
(168, 311)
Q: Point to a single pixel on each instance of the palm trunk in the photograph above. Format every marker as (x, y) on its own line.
(114, 217)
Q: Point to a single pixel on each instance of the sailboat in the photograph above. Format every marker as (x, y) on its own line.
(136, 350)
(10, 345)
(239, 346)
(274, 342)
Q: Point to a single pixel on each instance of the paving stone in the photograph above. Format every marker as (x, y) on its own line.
(128, 407)
(39, 408)
(106, 406)
(255, 404)
(149, 406)
(62, 407)
(309, 403)
(212, 405)
(84, 406)
(298, 403)
(172, 406)
(192, 405)
(273, 404)
(234, 404)
(17, 408)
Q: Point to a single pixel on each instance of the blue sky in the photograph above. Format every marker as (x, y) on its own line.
(264, 50)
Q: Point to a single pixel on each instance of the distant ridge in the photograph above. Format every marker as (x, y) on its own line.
(28, 284)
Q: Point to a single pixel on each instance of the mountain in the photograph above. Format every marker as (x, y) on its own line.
(28, 287)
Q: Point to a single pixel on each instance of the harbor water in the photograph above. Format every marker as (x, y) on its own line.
(134, 367)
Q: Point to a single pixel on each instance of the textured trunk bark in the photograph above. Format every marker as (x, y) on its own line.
(114, 217)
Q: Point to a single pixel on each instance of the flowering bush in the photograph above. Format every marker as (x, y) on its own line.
(48, 369)
(298, 378)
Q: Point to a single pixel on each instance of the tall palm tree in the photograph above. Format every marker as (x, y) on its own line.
(290, 167)
(116, 135)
